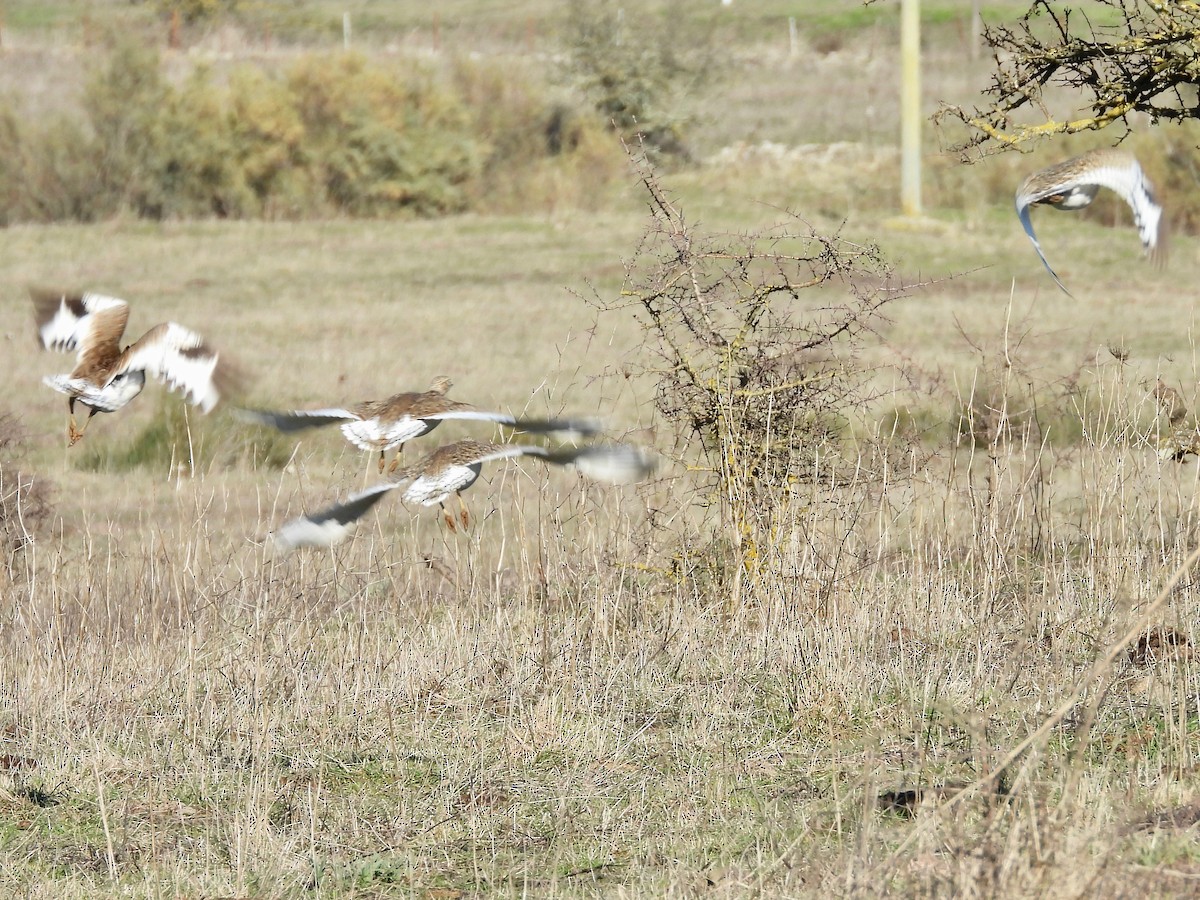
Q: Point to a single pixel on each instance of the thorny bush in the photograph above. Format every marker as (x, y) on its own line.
(752, 344)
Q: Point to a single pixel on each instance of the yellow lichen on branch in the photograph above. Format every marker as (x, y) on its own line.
(1144, 61)
(1029, 132)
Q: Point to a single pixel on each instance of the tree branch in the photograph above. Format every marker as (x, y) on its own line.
(1139, 64)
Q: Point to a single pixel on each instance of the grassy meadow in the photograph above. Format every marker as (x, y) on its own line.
(970, 675)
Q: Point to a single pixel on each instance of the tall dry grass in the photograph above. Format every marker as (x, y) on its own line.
(572, 699)
(558, 703)
(910, 692)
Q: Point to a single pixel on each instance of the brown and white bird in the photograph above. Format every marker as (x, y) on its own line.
(106, 377)
(383, 425)
(451, 469)
(1074, 184)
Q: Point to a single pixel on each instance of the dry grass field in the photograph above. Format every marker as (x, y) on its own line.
(972, 676)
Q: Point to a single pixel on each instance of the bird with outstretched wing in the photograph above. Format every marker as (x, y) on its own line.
(1074, 184)
(106, 376)
(451, 469)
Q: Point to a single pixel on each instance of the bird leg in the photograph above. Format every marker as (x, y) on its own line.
(463, 514)
(450, 521)
(74, 432)
(382, 458)
(395, 460)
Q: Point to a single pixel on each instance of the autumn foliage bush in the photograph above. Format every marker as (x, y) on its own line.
(328, 134)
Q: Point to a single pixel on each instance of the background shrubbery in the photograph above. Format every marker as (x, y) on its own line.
(324, 134)
(452, 123)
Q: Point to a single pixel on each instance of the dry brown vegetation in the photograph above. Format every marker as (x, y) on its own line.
(960, 662)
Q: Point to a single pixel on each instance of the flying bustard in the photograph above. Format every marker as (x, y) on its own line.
(1074, 184)
(383, 425)
(451, 469)
(105, 377)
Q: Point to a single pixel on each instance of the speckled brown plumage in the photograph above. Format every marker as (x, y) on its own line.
(415, 404)
(106, 377)
(381, 425)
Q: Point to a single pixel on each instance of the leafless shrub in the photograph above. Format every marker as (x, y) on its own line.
(751, 340)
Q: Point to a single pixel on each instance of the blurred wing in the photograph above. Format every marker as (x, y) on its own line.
(1080, 178)
(1131, 185)
(178, 357)
(355, 507)
(78, 322)
(295, 420)
(612, 463)
(331, 525)
(1023, 202)
(489, 452)
(582, 428)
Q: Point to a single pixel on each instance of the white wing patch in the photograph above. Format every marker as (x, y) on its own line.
(81, 389)
(68, 331)
(1130, 183)
(109, 398)
(510, 451)
(304, 532)
(371, 434)
(65, 384)
(608, 463)
(179, 358)
(430, 489)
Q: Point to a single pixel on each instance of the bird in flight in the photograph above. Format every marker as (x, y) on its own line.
(1074, 184)
(106, 377)
(383, 425)
(451, 469)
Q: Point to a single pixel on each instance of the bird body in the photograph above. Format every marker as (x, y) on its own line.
(106, 398)
(383, 425)
(107, 377)
(1074, 184)
(387, 424)
(453, 468)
